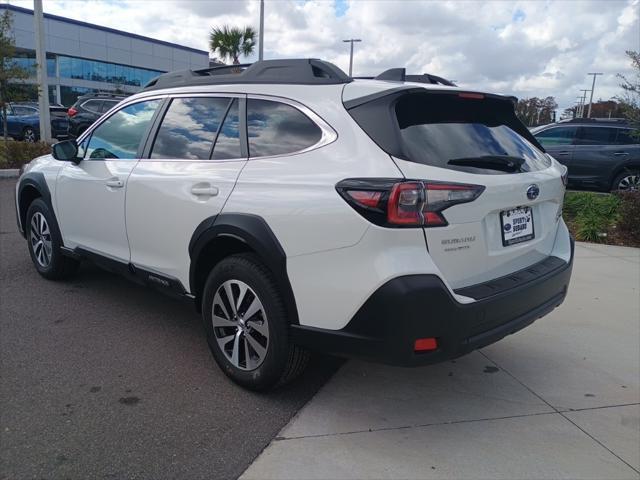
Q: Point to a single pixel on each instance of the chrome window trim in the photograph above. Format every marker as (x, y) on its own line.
(328, 134)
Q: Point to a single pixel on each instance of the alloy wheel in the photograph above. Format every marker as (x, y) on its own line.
(240, 325)
(629, 182)
(29, 135)
(40, 238)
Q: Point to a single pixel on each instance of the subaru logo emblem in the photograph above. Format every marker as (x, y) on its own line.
(533, 191)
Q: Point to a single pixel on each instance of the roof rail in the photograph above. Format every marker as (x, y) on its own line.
(306, 71)
(595, 120)
(400, 75)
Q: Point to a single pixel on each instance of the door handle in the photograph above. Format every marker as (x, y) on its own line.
(564, 152)
(204, 191)
(621, 153)
(115, 183)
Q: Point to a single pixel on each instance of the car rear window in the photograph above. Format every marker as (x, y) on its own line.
(474, 133)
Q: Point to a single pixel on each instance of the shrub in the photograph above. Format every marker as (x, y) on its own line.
(14, 154)
(577, 204)
(591, 227)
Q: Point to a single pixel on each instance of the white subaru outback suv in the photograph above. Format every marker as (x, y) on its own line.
(406, 222)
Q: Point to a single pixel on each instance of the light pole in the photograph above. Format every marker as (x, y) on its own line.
(578, 106)
(584, 100)
(261, 39)
(351, 41)
(41, 71)
(593, 86)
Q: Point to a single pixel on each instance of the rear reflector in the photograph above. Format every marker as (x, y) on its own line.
(425, 344)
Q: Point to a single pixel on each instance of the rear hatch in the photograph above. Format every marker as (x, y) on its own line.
(491, 197)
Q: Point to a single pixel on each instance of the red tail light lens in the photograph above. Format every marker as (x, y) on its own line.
(71, 112)
(397, 203)
(405, 204)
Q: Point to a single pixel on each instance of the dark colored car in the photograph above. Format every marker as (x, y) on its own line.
(601, 154)
(88, 108)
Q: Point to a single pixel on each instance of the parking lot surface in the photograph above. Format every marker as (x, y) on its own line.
(101, 378)
(560, 399)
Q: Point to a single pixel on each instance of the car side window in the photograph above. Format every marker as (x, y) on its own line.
(22, 111)
(93, 105)
(189, 128)
(275, 128)
(557, 136)
(596, 136)
(107, 105)
(119, 136)
(627, 137)
(228, 141)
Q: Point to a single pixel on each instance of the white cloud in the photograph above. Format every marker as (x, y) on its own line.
(524, 48)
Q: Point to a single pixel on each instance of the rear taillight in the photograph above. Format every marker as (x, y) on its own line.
(71, 112)
(405, 203)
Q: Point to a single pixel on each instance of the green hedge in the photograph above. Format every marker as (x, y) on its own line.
(604, 218)
(14, 154)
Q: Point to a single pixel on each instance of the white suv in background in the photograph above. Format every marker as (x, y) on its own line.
(300, 209)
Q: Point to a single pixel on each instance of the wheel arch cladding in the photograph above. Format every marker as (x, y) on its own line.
(32, 185)
(222, 235)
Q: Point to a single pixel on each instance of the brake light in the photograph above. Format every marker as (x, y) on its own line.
(71, 112)
(411, 203)
(475, 96)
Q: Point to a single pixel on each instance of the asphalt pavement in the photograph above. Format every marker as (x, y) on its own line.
(102, 378)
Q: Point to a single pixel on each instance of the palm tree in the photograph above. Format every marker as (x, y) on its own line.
(231, 42)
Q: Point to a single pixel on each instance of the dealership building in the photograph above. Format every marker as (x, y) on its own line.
(84, 58)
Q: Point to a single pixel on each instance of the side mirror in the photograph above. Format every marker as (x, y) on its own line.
(66, 151)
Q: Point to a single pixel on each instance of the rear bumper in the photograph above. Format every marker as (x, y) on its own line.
(420, 306)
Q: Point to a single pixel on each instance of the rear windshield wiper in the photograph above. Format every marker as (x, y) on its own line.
(503, 163)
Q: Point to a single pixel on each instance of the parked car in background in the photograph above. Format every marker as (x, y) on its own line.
(601, 154)
(23, 121)
(88, 108)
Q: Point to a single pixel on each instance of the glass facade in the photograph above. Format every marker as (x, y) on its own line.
(29, 63)
(61, 66)
(94, 70)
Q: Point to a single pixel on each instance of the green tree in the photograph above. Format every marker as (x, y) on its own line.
(231, 42)
(630, 99)
(536, 111)
(11, 74)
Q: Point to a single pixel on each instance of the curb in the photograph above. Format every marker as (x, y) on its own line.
(9, 173)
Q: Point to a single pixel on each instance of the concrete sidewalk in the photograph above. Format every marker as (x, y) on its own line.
(561, 399)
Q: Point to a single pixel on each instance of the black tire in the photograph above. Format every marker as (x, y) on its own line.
(58, 266)
(282, 361)
(631, 178)
(29, 135)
